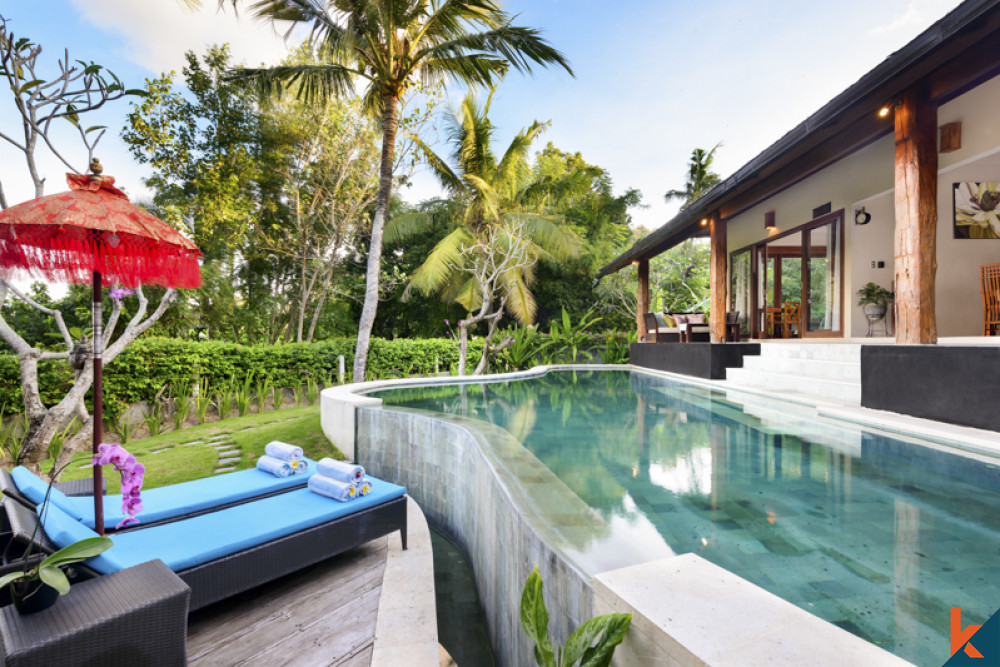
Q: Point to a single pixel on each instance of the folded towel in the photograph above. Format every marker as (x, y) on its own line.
(332, 488)
(283, 451)
(364, 487)
(274, 466)
(345, 472)
(299, 466)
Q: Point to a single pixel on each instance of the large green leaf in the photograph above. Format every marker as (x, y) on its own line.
(535, 619)
(74, 553)
(55, 578)
(610, 627)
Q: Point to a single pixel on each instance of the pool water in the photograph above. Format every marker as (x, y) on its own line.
(875, 534)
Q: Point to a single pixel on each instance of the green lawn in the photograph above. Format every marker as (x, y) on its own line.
(171, 458)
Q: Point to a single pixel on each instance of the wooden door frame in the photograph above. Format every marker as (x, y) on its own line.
(755, 268)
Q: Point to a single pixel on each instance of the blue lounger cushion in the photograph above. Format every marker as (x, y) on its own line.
(207, 537)
(165, 502)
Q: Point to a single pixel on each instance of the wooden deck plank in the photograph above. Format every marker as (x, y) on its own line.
(323, 615)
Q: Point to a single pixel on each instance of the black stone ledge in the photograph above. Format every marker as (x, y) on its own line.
(703, 360)
(957, 385)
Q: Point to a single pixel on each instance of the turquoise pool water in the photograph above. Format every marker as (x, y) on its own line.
(878, 535)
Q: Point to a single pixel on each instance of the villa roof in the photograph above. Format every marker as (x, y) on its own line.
(954, 55)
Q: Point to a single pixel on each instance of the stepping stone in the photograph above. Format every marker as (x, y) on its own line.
(220, 470)
(231, 459)
(159, 451)
(191, 444)
(248, 428)
(224, 445)
(229, 452)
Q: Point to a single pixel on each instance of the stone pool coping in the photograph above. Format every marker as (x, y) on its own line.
(339, 419)
(406, 624)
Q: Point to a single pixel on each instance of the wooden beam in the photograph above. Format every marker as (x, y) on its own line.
(717, 317)
(642, 299)
(916, 217)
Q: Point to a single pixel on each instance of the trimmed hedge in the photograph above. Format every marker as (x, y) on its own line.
(145, 366)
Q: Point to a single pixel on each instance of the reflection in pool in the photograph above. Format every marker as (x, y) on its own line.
(877, 535)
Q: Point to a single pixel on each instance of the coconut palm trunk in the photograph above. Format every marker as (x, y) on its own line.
(390, 125)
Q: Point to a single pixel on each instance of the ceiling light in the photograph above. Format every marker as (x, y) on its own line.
(883, 112)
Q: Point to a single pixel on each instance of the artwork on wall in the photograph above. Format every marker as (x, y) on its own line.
(976, 210)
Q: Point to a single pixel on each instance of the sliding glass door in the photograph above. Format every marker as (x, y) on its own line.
(791, 285)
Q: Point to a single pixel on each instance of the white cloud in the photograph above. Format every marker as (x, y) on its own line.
(918, 14)
(157, 34)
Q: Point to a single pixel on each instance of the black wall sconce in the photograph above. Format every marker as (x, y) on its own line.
(862, 217)
(769, 220)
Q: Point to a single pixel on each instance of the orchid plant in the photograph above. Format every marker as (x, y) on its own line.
(132, 473)
(49, 570)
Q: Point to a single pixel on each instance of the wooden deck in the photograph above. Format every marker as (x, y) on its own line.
(323, 615)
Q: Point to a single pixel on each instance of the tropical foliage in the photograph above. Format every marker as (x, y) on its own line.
(390, 46)
(495, 197)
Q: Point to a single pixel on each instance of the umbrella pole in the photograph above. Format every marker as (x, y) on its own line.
(98, 338)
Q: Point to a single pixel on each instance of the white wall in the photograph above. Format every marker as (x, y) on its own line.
(866, 172)
(865, 178)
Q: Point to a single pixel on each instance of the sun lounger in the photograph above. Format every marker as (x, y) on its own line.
(166, 502)
(219, 554)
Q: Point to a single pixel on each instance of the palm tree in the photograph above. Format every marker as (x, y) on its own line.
(495, 197)
(391, 44)
(699, 180)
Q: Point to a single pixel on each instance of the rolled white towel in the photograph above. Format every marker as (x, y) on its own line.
(364, 487)
(342, 470)
(283, 451)
(332, 488)
(274, 466)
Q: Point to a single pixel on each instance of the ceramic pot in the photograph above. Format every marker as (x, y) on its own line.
(875, 311)
(32, 595)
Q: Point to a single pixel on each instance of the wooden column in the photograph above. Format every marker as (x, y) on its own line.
(916, 218)
(642, 299)
(718, 282)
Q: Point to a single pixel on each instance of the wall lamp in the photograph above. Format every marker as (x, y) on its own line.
(704, 221)
(862, 217)
(769, 222)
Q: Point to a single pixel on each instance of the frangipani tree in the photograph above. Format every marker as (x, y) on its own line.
(500, 214)
(390, 45)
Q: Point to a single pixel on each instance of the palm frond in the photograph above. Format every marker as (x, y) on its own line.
(470, 295)
(486, 200)
(520, 46)
(446, 177)
(308, 82)
(439, 267)
(550, 236)
(399, 228)
(516, 154)
(520, 300)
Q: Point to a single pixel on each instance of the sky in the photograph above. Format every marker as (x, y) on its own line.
(654, 79)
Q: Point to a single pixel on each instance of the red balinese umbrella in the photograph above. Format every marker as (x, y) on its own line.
(88, 234)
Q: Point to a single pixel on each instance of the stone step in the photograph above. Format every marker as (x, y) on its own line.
(227, 461)
(821, 369)
(796, 386)
(822, 351)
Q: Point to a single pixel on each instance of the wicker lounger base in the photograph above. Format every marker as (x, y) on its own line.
(242, 571)
(137, 616)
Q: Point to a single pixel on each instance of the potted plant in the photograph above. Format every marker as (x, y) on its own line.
(34, 587)
(875, 300)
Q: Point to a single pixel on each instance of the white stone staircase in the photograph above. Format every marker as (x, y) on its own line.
(823, 371)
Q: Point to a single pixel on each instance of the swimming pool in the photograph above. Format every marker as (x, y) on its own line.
(876, 534)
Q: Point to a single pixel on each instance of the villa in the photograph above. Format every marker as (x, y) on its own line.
(876, 186)
(761, 511)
